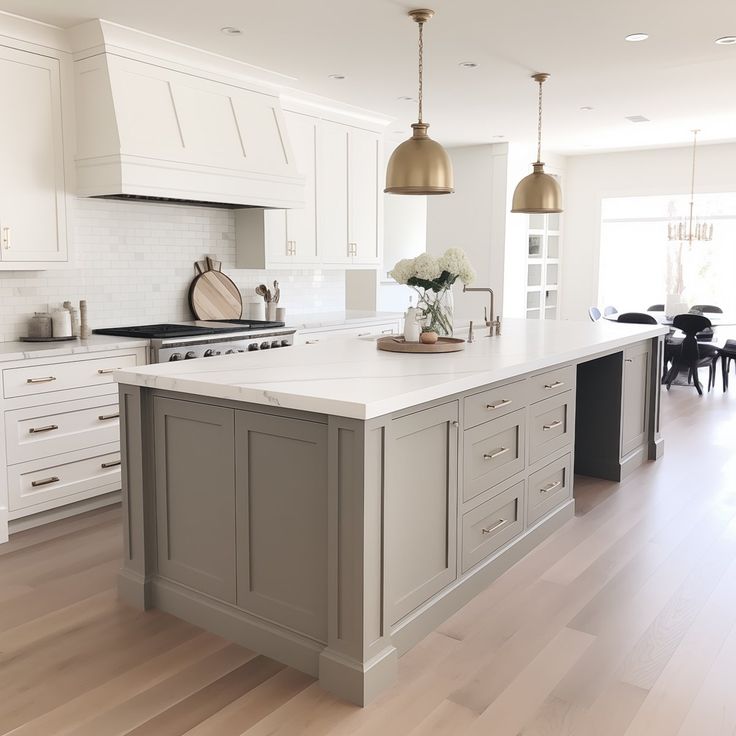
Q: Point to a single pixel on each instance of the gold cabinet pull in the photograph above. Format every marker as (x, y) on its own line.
(497, 525)
(47, 428)
(551, 487)
(45, 481)
(111, 464)
(499, 404)
(554, 384)
(103, 371)
(553, 425)
(43, 379)
(105, 417)
(497, 453)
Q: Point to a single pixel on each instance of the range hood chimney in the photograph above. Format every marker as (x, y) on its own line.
(156, 129)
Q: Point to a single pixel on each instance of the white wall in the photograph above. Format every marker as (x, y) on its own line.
(592, 178)
(133, 264)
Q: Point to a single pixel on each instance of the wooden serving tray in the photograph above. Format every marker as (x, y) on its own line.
(399, 345)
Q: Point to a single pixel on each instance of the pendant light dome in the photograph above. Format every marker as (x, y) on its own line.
(420, 165)
(538, 193)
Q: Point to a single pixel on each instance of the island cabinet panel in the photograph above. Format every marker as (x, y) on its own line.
(548, 488)
(551, 425)
(195, 495)
(421, 506)
(281, 509)
(494, 403)
(635, 414)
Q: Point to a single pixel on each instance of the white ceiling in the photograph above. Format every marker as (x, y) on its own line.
(679, 78)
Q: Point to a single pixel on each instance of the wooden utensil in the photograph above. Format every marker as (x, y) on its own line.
(261, 290)
(276, 292)
(213, 295)
(210, 263)
(198, 267)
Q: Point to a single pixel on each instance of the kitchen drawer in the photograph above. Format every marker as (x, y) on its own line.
(387, 328)
(551, 383)
(548, 488)
(551, 425)
(68, 478)
(492, 452)
(495, 522)
(493, 403)
(51, 377)
(41, 431)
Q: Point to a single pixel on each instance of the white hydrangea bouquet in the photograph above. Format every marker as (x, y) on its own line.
(432, 278)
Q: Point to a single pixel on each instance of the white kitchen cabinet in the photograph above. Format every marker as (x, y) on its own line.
(332, 193)
(364, 155)
(32, 187)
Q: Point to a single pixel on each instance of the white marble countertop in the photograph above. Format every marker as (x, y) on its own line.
(349, 377)
(325, 320)
(93, 344)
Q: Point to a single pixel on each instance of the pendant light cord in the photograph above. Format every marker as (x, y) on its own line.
(421, 70)
(539, 125)
(692, 189)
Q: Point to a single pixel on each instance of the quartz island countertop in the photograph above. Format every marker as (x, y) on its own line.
(349, 377)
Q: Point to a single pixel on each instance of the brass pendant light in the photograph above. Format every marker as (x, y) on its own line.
(538, 193)
(420, 165)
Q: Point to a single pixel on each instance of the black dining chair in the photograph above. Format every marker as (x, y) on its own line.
(594, 313)
(706, 309)
(638, 318)
(692, 354)
(728, 354)
(656, 308)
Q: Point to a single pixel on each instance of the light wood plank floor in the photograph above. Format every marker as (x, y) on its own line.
(622, 623)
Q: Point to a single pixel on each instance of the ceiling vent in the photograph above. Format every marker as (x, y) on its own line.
(637, 119)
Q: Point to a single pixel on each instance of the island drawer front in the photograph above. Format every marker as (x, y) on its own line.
(33, 484)
(551, 425)
(494, 403)
(493, 452)
(548, 488)
(42, 431)
(489, 526)
(50, 377)
(551, 383)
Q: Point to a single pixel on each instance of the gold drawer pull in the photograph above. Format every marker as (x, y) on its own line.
(111, 464)
(551, 487)
(497, 453)
(103, 371)
(47, 428)
(554, 425)
(504, 402)
(387, 332)
(497, 525)
(554, 384)
(363, 334)
(45, 481)
(45, 379)
(105, 417)
(628, 360)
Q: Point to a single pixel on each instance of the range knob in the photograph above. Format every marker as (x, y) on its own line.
(265, 345)
(191, 354)
(253, 346)
(229, 352)
(285, 343)
(175, 356)
(209, 353)
(276, 344)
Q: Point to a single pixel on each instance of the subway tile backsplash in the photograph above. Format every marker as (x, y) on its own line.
(133, 262)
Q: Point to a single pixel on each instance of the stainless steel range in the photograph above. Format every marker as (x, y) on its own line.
(189, 340)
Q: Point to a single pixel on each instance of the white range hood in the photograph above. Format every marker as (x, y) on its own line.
(153, 128)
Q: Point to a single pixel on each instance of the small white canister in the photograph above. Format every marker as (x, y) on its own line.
(61, 321)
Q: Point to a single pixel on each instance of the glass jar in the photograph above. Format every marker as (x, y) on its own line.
(439, 310)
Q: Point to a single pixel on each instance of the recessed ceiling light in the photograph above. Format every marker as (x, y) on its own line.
(336, 76)
(231, 30)
(726, 40)
(468, 64)
(637, 37)
(637, 119)
(405, 98)
(587, 108)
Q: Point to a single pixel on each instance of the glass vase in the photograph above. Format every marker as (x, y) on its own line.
(438, 308)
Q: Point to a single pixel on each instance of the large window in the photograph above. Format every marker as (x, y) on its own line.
(635, 251)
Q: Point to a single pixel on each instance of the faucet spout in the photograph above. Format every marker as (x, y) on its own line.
(493, 322)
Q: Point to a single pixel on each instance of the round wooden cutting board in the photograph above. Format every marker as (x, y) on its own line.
(213, 295)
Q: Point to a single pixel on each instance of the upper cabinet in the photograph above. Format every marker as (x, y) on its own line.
(339, 225)
(33, 227)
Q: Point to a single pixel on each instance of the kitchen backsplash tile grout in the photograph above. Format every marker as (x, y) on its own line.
(133, 262)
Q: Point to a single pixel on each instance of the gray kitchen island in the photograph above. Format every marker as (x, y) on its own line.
(328, 505)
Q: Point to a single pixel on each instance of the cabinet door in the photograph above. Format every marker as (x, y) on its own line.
(32, 204)
(363, 158)
(195, 495)
(332, 192)
(281, 470)
(635, 397)
(421, 507)
(301, 223)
